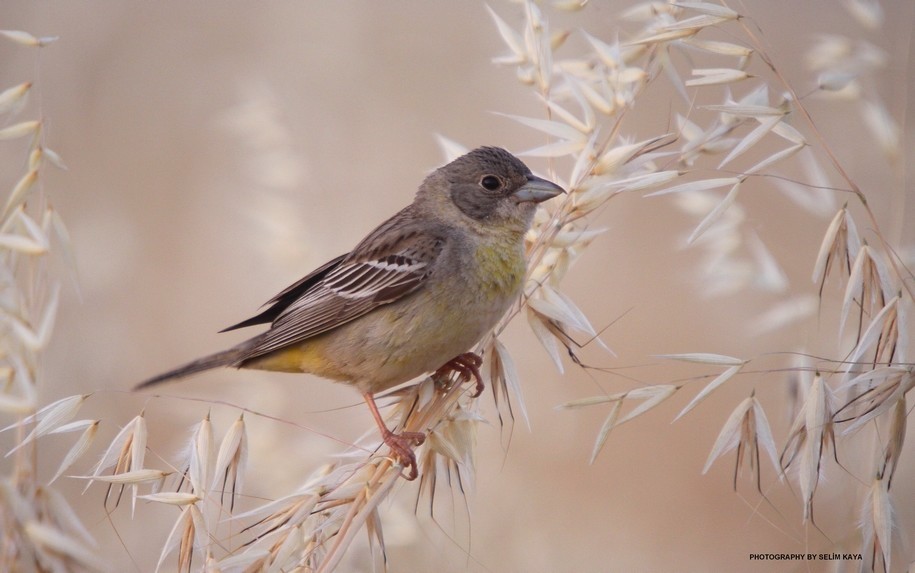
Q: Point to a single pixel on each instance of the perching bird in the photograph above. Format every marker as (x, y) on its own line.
(413, 297)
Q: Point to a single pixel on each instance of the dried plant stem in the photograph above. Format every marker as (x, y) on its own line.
(367, 500)
(386, 474)
(837, 165)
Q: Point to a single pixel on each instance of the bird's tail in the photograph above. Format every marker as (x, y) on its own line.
(231, 357)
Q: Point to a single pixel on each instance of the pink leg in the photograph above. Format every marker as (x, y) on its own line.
(402, 444)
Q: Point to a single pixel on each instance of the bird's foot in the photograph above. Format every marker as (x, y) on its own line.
(402, 445)
(466, 365)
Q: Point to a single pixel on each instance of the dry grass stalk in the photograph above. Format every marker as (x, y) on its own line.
(38, 529)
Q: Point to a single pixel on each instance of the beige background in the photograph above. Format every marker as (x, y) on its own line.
(218, 151)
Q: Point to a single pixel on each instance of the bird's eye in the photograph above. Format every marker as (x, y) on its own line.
(490, 182)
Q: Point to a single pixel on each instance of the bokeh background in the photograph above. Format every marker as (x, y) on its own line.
(217, 151)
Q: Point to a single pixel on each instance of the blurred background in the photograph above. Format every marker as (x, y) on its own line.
(217, 152)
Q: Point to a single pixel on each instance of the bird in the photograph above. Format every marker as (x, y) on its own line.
(412, 298)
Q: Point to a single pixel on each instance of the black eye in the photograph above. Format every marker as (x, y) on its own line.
(491, 182)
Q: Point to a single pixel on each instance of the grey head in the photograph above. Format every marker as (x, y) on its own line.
(490, 184)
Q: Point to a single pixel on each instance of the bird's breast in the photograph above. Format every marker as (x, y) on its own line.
(498, 270)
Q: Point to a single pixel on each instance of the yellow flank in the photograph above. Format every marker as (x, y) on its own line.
(307, 357)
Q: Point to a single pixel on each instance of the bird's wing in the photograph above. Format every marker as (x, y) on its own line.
(387, 265)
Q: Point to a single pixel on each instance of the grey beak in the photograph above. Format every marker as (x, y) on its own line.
(537, 190)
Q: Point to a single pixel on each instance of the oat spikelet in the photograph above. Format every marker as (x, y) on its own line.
(809, 437)
(746, 430)
(231, 461)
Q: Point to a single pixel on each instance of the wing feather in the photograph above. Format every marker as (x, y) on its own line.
(390, 263)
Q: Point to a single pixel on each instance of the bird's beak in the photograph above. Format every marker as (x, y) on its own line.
(537, 190)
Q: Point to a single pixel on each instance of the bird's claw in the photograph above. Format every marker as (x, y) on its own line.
(466, 365)
(402, 445)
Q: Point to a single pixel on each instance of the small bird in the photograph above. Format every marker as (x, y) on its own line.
(413, 297)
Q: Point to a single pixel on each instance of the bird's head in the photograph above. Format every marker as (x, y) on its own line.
(490, 186)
